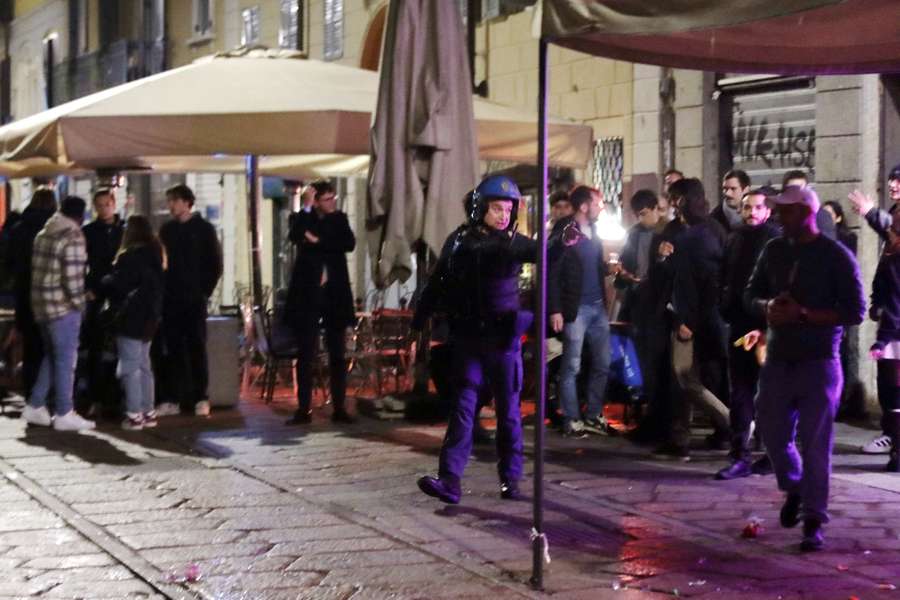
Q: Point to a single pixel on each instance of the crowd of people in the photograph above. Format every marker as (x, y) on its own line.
(111, 289)
(739, 311)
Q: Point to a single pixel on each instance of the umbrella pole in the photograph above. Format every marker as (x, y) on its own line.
(253, 220)
(539, 541)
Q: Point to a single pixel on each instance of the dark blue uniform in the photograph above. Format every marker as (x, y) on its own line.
(477, 284)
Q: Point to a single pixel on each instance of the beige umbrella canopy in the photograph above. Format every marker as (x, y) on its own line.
(249, 102)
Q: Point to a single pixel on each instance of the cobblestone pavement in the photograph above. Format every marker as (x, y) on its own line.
(253, 509)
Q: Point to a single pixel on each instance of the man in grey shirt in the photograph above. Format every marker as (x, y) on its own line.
(808, 288)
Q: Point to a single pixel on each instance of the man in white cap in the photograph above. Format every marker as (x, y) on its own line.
(808, 288)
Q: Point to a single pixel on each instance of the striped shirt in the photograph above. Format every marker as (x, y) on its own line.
(57, 269)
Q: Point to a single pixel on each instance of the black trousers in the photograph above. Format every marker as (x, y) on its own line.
(32, 347)
(743, 374)
(307, 347)
(102, 386)
(888, 381)
(187, 365)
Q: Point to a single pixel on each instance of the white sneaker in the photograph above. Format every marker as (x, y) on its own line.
(37, 416)
(878, 445)
(201, 409)
(167, 409)
(72, 421)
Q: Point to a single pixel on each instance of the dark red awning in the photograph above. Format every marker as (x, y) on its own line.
(742, 36)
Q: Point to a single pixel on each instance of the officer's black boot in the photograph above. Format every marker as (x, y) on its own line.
(440, 489)
(813, 539)
(893, 420)
(510, 491)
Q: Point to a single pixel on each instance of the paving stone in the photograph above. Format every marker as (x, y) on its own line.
(70, 562)
(323, 546)
(227, 585)
(120, 590)
(188, 554)
(273, 522)
(147, 516)
(163, 526)
(128, 506)
(307, 534)
(260, 563)
(107, 573)
(46, 550)
(180, 538)
(361, 559)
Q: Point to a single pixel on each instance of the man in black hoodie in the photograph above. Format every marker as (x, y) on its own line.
(18, 262)
(741, 252)
(194, 268)
(103, 236)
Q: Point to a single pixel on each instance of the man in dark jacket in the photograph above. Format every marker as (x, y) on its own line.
(576, 301)
(808, 288)
(880, 220)
(194, 268)
(735, 185)
(741, 252)
(320, 291)
(641, 308)
(18, 262)
(103, 236)
(699, 338)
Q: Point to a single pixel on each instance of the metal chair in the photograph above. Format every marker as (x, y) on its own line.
(275, 355)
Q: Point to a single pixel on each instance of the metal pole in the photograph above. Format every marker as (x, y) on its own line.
(539, 542)
(253, 219)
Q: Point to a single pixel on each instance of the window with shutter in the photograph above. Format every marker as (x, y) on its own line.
(250, 26)
(334, 29)
(290, 30)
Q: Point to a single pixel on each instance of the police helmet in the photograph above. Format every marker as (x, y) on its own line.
(493, 187)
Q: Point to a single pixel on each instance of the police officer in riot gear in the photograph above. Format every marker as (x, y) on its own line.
(478, 284)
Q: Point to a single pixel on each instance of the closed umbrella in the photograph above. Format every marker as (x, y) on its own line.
(424, 155)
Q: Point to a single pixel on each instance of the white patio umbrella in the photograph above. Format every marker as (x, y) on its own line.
(249, 103)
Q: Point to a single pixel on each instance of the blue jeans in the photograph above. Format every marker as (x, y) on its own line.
(591, 326)
(802, 398)
(135, 373)
(60, 337)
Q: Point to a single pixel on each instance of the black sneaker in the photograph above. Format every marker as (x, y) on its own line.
(813, 539)
(670, 451)
(510, 491)
(300, 418)
(790, 511)
(434, 487)
(736, 470)
(762, 466)
(342, 416)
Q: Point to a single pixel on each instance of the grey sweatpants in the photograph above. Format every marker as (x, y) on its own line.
(800, 399)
